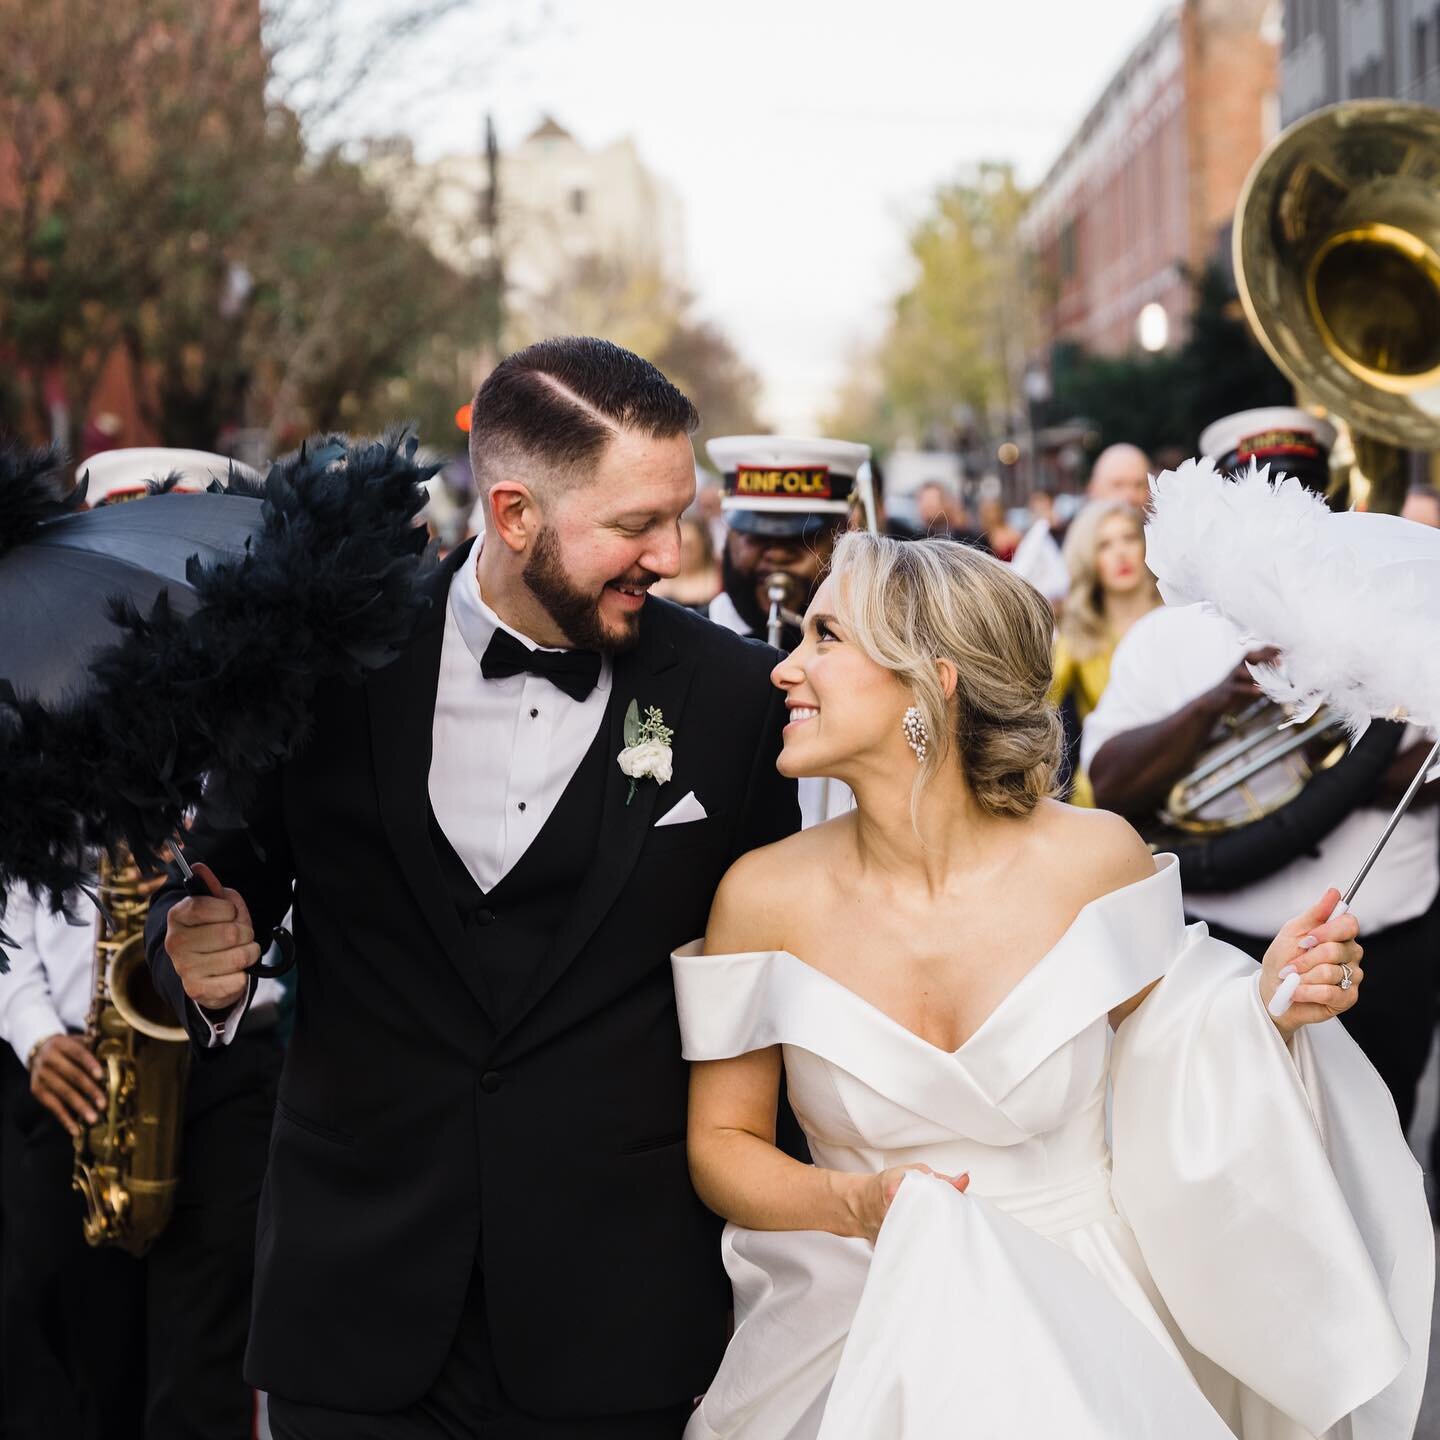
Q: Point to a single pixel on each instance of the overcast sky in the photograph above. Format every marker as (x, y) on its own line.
(801, 137)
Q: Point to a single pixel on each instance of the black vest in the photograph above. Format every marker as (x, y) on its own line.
(513, 925)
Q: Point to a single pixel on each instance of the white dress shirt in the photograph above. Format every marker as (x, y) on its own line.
(1172, 656)
(821, 798)
(48, 989)
(503, 750)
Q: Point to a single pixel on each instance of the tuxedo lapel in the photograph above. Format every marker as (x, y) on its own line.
(401, 700)
(653, 674)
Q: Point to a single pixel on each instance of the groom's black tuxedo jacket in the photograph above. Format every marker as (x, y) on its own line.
(419, 1133)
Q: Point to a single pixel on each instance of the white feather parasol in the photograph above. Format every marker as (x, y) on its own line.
(1352, 600)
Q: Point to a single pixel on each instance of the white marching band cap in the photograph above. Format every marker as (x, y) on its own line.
(785, 484)
(125, 474)
(1268, 435)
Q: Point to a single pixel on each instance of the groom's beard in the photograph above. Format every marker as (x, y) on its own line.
(577, 612)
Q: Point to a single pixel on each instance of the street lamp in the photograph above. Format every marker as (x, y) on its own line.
(1152, 328)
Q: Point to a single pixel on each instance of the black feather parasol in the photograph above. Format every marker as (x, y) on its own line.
(218, 690)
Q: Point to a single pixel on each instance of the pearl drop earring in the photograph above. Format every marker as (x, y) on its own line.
(917, 737)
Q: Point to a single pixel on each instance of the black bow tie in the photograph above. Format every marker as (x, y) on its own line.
(573, 671)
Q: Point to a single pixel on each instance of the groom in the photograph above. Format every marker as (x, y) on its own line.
(478, 1218)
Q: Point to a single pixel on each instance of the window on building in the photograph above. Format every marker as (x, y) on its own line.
(577, 202)
(1067, 250)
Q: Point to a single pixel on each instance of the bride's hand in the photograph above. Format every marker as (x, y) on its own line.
(1331, 945)
(874, 1195)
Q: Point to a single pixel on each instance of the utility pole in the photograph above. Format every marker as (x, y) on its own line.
(492, 269)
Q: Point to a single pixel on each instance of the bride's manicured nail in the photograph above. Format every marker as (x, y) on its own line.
(1288, 970)
(1309, 942)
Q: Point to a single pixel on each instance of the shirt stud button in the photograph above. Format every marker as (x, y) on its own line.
(522, 804)
(534, 713)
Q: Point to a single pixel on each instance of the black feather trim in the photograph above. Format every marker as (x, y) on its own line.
(329, 590)
(32, 491)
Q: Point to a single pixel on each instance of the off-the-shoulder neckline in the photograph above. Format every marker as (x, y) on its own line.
(1165, 863)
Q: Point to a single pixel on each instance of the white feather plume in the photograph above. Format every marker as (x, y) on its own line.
(1352, 600)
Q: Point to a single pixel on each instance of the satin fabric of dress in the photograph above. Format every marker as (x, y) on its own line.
(1255, 1265)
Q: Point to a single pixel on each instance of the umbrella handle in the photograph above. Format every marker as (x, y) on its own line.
(284, 941)
(280, 937)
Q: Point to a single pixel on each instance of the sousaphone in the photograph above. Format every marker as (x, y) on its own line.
(1337, 264)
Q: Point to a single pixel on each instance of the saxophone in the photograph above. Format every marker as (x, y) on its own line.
(127, 1164)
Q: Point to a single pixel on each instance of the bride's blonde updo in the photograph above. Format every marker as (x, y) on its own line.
(910, 603)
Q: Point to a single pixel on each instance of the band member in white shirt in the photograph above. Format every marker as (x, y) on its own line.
(1175, 675)
(95, 1342)
(786, 501)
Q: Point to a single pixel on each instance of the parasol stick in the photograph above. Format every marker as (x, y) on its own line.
(1284, 995)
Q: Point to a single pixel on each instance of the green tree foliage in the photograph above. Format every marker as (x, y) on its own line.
(157, 200)
(1163, 400)
(954, 348)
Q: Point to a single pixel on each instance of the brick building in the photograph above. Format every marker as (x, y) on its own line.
(1145, 189)
(1337, 50)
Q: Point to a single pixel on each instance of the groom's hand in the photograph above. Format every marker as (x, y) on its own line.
(211, 943)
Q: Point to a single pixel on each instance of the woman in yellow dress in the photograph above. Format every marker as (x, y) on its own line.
(1110, 589)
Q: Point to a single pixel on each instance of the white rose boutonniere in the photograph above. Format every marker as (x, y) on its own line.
(646, 755)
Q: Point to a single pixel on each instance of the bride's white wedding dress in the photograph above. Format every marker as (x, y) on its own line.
(1250, 1252)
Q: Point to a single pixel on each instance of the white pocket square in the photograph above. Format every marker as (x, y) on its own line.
(682, 811)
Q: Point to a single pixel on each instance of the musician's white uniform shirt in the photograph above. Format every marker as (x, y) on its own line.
(47, 991)
(1171, 657)
(820, 799)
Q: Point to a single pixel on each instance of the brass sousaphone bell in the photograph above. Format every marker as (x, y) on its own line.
(1337, 263)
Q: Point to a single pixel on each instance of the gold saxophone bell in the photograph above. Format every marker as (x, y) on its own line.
(127, 1163)
(1337, 262)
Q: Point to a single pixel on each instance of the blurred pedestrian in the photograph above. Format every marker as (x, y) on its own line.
(943, 515)
(1422, 505)
(1000, 535)
(1110, 589)
(708, 497)
(1121, 472)
(885, 523)
(698, 582)
(1037, 558)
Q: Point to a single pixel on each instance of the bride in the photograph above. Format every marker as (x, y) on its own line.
(951, 978)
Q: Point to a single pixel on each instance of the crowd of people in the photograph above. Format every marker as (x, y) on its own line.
(475, 1213)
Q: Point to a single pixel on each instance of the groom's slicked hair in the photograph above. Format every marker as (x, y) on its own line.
(554, 406)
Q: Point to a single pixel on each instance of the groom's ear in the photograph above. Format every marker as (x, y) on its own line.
(514, 514)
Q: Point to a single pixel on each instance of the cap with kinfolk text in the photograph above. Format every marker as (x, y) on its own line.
(1289, 440)
(784, 485)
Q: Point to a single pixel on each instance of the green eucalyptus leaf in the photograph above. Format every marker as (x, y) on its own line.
(632, 724)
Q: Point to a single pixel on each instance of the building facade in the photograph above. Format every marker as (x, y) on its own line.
(1144, 192)
(557, 209)
(1337, 50)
